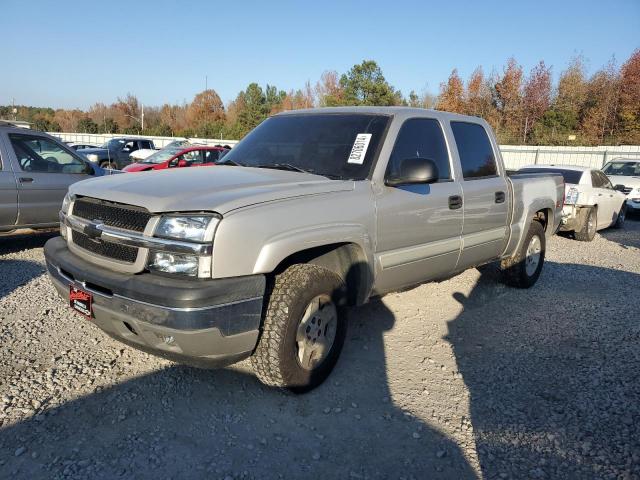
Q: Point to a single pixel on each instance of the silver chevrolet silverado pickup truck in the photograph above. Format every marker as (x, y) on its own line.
(314, 211)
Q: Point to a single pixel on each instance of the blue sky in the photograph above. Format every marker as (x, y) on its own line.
(71, 54)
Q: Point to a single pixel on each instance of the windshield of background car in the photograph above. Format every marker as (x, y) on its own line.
(113, 144)
(162, 155)
(339, 146)
(570, 176)
(627, 169)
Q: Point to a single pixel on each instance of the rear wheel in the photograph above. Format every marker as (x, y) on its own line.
(106, 165)
(304, 329)
(622, 216)
(523, 270)
(589, 225)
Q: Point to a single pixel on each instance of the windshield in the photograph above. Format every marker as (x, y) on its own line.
(178, 143)
(339, 146)
(626, 169)
(162, 155)
(112, 144)
(570, 176)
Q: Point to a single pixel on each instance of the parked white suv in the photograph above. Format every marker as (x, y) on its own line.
(626, 172)
(591, 202)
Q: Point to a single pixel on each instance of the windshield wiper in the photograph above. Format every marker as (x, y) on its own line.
(231, 162)
(294, 168)
(282, 166)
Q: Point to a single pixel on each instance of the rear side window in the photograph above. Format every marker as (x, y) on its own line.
(476, 155)
(601, 178)
(421, 138)
(596, 181)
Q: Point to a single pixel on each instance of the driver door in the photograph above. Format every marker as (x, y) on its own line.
(419, 226)
(44, 170)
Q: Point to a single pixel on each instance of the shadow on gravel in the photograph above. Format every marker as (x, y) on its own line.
(16, 243)
(185, 423)
(622, 235)
(553, 373)
(20, 271)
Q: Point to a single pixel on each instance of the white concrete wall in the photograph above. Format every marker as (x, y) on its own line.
(515, 156)
(159, 142)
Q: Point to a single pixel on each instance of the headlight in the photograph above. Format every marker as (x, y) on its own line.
(196, 228)
(92, 157)
(66, 202)
(175, 263)
(571, 198)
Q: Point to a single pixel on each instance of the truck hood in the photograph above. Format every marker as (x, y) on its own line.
(98, 151)
(220, 189)
(625, 180)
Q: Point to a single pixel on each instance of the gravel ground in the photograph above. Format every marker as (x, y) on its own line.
(461, 379)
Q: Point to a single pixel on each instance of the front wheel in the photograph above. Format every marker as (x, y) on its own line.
(304, 329)
(622, 216)
(106, 165)
(523, 270)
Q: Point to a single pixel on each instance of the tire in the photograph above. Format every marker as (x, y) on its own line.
(523, 270)
(622, 216)
(589, 225)
(106, 165)
(291, 303)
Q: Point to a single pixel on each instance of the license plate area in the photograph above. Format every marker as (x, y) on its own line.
(81, 301)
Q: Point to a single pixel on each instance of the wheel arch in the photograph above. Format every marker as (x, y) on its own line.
(348, 260)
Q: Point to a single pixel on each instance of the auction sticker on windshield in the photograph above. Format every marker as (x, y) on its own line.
(359, 149)
(80, 301)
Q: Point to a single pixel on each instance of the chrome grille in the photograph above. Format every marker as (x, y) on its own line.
(627, 190)
(114, 251)
(112, 214)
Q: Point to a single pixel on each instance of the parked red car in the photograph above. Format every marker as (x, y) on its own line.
(178, 157)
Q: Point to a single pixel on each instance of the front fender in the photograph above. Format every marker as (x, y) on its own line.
(277, 248)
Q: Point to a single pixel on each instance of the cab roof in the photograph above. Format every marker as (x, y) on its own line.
(403, 112)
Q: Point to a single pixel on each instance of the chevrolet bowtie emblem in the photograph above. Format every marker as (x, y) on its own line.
(92, 231)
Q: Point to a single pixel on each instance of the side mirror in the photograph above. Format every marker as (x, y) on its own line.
(414, 171)
(619, 187)
(183, 163)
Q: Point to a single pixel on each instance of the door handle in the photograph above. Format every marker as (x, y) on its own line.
(500, 197)
(26, 180)
(455, 202)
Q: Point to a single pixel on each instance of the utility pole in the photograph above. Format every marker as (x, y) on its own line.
(142, 118)
(14, 110)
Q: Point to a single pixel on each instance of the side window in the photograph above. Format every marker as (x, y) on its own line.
(475, 151)
(145, 144)
(193, 157)
(39, 154)
(210, 156)
(130, 146)
(596, 181)
(606, 183)
(421, 138)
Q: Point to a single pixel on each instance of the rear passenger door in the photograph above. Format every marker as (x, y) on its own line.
(418, 234)
(485, 195)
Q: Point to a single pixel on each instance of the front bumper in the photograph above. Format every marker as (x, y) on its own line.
(205, 323)
(633, 206)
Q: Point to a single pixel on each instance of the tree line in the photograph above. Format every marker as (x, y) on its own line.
(601, 109)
